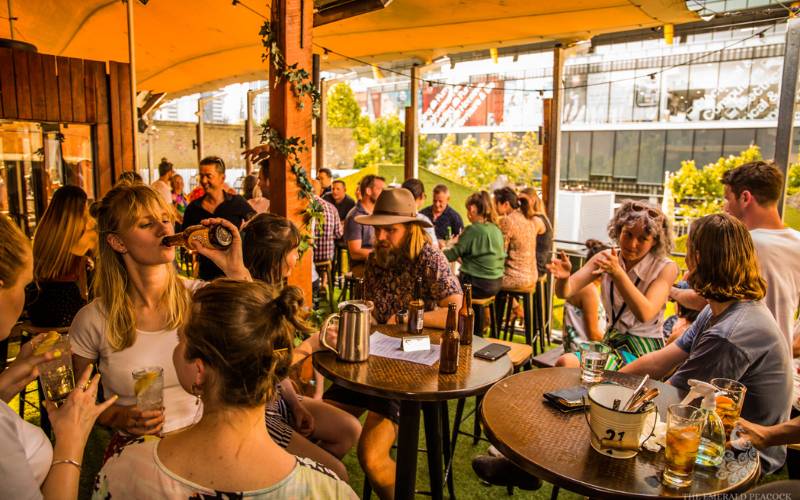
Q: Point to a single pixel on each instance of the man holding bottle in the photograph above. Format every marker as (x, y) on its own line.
(403, 259)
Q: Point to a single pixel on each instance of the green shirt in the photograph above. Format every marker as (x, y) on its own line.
(480, 248)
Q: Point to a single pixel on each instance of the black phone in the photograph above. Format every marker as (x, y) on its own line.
(492, 352)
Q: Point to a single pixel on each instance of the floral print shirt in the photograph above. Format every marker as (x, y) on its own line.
(392, 289)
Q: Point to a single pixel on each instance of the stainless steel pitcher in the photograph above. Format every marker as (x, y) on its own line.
(352, 343)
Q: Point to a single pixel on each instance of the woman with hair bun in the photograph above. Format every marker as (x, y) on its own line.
(234, 347)
(519, 225)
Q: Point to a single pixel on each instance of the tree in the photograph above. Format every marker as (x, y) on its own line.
(343, 110)
(378, 140)
(793, 181)
(427, 150)
(518, 157)
(699, 191)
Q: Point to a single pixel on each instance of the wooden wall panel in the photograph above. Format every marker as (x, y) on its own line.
(38, 95)
(103, 164)
(8, 91)
(88, 86)
(53, 108)
(115, 118)
(64, 91)
(121, 80)
(23, 85)
(100, 91)
(77, 90)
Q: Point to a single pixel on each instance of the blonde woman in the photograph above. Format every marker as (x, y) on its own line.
(140, 302)
(544, 235)
(61, 244)
(31, 467)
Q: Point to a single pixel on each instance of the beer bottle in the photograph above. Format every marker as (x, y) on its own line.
(215, 236)
(466, 317)
(416, 310)
(448, 357)
(358, 289)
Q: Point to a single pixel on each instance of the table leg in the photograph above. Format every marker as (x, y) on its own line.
(433, 441)
(407, 442)
(448, 451)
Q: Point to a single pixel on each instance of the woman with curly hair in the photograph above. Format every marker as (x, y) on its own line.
(635, 281)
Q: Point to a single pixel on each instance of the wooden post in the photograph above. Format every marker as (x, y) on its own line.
(411, 135)
(786, 103)
(319, 123)
(292, 20)
(551, 172)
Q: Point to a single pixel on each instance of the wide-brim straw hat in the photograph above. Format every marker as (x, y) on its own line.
(394, 206)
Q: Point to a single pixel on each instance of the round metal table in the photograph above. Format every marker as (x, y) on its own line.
(554, 446)
(417, 387)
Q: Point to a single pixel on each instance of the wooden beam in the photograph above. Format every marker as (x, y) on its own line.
(551, 174)
(343, 9)
(411, 146)
(293, 21)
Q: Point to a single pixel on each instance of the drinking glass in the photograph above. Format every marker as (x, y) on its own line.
(594, 356)
(684, 428)
(149, 388)
(730, 398)
(56, 376)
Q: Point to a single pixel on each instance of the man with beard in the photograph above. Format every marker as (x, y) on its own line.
(216, 202)
(403, 252)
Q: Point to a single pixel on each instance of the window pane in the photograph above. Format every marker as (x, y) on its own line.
(737, 140)
(575, 99)
(765, 138)
(732, 100)
(580, 146)
(651, 156)
(603, 153)
(707, 146)
(621, 100)
(626, 154)
(764, 81)
(675, 96)
(597, 98)
(564, 154)
(645, 102)
(77, 154)
(679, 148)
(702, 89)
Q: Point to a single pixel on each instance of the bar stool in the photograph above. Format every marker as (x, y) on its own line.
(541, 310)
(505, 301)
(479, 306)
(326, 268)
(521, 356)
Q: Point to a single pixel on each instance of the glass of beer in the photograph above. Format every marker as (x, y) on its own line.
(55, 376)
(149, 388)
(594, 356)
(730, 398)
(684, 428)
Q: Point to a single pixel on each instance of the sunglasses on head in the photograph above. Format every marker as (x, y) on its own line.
(652, 212)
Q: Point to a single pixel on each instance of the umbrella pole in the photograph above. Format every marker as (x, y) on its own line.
(134, 107)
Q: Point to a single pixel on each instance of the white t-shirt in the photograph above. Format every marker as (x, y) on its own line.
(26, 456)
(778, 253)
(164, 190)
(88, 340)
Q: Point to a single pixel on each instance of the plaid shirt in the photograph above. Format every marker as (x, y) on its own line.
(327, 233)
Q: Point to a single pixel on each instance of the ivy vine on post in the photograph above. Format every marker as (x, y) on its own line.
(302, 86)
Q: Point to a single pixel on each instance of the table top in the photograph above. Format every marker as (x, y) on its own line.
(397, 379)
(555, 446)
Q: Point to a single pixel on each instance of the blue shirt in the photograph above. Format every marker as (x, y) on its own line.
(448, 219)
(355, 231)
(745, 344)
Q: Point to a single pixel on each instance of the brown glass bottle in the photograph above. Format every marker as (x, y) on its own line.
(466, 317)
(215, 236)
(416, 310)
(358, 289)
(448, 357)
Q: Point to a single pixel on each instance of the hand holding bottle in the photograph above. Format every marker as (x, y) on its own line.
(230, 260)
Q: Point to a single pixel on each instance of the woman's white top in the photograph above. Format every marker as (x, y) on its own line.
(25, 458)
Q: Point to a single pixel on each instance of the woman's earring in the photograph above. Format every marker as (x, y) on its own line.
(197, 393)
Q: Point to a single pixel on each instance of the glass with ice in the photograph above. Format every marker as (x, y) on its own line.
(594, 356)
(684, 428)
(55, 376)
(149, 388)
